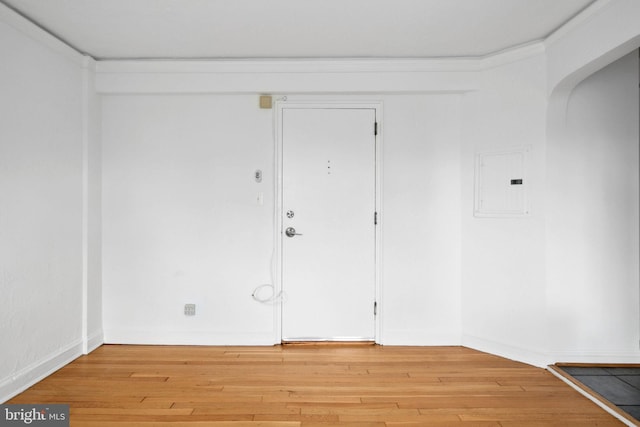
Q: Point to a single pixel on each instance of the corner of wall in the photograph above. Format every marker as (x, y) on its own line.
(92, 341)
(92, 332)
(21, 380)
(28, 28)
(525, 355)
(45, 147)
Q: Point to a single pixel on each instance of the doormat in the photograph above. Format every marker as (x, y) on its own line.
(618, 386)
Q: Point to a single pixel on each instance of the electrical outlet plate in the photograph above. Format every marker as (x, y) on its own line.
(189, 309)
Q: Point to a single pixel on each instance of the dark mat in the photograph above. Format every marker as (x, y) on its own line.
(619, 385)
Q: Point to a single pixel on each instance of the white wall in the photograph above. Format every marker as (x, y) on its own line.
(180, 219)
(40, 204)
(503, 264)
(181, 223)
(92, 210)
(421, 220)
(592, 221)
(560, 284)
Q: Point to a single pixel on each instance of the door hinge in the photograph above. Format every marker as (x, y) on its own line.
(375, 218)
(375, 308)
(375, 128)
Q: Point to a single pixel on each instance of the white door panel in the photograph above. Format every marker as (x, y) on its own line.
(328, 196)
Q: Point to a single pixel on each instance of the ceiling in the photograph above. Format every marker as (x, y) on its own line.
(238, 29)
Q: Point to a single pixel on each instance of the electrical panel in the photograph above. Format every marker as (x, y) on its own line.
(501, 184)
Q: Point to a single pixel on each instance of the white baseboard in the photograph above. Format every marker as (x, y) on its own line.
(93, 341)
(622, 357)
(418, 338)
(519, 354)
(391, 337)
(21, 380)
(112, 336)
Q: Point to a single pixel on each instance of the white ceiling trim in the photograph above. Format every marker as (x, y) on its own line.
(588, 13)
(364, 76)
(25, 26)
(286, 66)
(322, 65)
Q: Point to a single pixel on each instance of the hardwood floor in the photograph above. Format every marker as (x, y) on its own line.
(310, 386)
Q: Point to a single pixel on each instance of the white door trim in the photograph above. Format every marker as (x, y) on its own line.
(340, 104)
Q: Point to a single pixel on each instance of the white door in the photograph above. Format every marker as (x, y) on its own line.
(328, 198)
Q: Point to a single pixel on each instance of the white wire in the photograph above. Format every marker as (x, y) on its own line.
(279, 297)
(273, 298)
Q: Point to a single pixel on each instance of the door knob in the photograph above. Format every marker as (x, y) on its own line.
(290, 232)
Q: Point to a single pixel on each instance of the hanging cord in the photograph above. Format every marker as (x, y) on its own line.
(273, 298)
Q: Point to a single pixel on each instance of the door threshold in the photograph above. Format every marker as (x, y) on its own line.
(328, 343)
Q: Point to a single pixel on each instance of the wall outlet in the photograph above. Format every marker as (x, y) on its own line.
(189, 309)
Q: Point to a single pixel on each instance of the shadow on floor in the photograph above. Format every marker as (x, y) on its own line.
(620, 386)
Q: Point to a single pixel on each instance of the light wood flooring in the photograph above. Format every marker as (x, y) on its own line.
(310, 386)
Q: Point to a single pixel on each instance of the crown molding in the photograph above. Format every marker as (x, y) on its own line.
(30, 29)
(585, 15)
(275, 66)
(514, 54)
(327, 65)
(356, 75)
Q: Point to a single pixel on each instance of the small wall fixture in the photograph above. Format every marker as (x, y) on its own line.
(501, 188)
(266, 102)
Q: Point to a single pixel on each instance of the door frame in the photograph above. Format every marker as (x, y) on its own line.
(281, 105)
